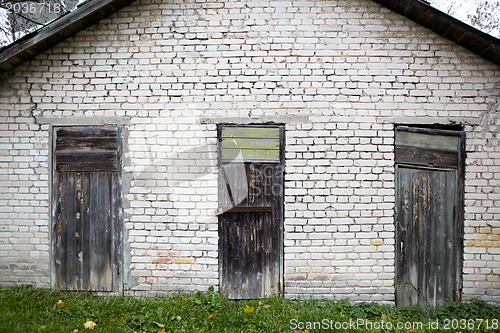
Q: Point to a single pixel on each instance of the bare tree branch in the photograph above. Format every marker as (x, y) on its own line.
(21, 15)
(486, 16)
(29, 15)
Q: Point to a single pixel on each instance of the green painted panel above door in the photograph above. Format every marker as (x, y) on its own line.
(250, 144)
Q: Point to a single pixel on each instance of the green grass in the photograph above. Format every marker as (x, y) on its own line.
(26, 309)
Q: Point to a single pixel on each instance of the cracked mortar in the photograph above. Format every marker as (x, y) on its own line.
(491, 118)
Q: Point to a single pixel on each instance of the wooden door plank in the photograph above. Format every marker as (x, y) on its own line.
(276, 252)
(420, 197)
(237, 245)
(100, 254)
(78, 231)
(71, 132)
(248, 273)
(258, 263)
(107, 273)
(71, 251)
(57, 231)
(86, 143)
(116, 231)
(425, 157)
(226, 253)
(83, 160)
(401, 215)
(234, 259)
(437, 237)
(428, 141)
(85, 230)
(450, 241)
(406, 272)
(426, 130)
(94, 235)
(269, 257)
(253, 179)
(61, 229)
(434, 237)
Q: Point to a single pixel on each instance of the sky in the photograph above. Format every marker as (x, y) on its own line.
(40, 12)
(461, 8)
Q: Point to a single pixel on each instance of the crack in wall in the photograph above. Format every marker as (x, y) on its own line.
(490, 120)
(33, 111)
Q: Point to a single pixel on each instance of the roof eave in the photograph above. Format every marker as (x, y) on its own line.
(35, 43)
(91, 12)
(459, 32)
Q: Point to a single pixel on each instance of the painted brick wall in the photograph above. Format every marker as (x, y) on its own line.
(339, 73)
(24, 190)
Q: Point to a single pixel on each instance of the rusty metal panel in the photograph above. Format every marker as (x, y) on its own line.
(251, 226)
(429, 227)
(87, 224)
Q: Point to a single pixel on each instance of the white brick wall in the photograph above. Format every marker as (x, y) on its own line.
(350, 69)
(24, 192)
(339, 209)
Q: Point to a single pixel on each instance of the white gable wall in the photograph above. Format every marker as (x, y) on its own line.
(338, 73)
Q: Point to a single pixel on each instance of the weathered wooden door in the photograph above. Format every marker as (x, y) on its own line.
(429, 215)
(251, 210)
(87, 208)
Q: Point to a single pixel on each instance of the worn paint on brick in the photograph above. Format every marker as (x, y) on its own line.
(184, 260)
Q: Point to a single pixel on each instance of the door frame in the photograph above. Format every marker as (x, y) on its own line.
(281, 127)
(450, 130)
(117, 280)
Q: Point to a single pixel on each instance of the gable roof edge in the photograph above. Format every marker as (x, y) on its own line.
(88, 14)
(91, 12)
(447, 26)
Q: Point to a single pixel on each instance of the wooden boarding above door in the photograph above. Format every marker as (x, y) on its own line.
(421, 146)
(250, 144)
(87, 148)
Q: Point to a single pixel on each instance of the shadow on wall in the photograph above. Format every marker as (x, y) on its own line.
(187, 173)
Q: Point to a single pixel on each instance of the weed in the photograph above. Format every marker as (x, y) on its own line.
(26, 309)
